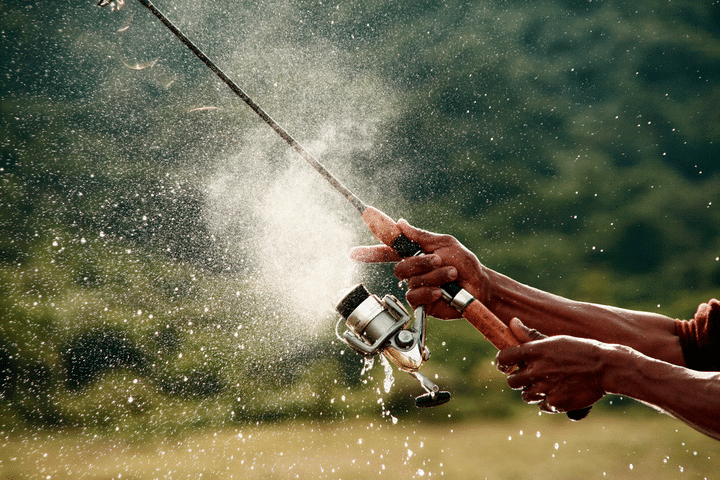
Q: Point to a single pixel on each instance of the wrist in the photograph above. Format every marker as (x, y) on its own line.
(490, 288)
(617, 365)
(480, 285)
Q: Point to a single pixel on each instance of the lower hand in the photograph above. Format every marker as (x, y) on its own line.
(559, 373)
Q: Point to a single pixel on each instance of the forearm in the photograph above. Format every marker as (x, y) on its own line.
(689, 395)
(651, 334)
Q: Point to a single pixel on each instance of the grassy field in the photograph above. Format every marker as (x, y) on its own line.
(539, 447)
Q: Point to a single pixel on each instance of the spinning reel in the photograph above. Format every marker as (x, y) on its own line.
(382, 326)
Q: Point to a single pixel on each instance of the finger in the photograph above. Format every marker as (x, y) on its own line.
(520, 379)
(523, 333)
(518, 382)
(532, 395)
(512, 356)
(412, 266)
(434, 278)
(374, 254)
(423, 296)
(431, 297)
(504, 361)
(504, 368)
(443, 311)
(429, 241)
(546, 407)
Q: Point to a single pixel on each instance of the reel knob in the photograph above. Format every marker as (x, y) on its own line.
(404, 338)
(432, 399)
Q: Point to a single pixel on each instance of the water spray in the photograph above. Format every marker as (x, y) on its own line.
(377, 325)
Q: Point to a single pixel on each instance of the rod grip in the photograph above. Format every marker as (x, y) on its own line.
(494, 330)
(382, 226)
(500, 335)
(387, 231)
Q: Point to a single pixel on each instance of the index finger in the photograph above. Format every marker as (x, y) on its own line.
(374, 254)
(511, 356)
(429, 241)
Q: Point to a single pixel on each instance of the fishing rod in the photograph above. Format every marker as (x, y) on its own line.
(377, 325)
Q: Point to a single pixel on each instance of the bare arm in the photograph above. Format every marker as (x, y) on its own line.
(648, 333)
(689, 395)
(448, 260)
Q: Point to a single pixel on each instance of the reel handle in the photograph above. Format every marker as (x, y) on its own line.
(495, 331)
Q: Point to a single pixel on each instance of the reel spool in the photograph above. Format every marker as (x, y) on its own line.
(378, 325)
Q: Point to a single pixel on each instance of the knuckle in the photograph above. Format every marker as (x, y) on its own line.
(446, 239)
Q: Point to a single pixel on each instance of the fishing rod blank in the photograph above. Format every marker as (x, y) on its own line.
(354, 200)
(381, 225)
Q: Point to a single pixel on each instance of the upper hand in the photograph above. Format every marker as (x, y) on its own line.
(558, 373)
(446, 260)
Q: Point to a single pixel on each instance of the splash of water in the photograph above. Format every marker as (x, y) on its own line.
(302, 246)
(283, 225)
(389, 377)
(368, 364)
(286, 226)
(288, 235)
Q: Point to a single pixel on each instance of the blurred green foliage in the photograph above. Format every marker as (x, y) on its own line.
(572, 145)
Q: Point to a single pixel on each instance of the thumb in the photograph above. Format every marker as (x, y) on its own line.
(523, 333)
(428, 240)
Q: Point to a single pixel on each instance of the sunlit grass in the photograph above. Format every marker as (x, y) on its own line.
(529, 446)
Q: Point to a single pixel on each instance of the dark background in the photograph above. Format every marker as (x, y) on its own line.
(573, 145)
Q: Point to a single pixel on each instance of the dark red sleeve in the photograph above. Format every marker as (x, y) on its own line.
(700, 337)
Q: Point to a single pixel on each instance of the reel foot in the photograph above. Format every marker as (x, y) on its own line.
(432, 399)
